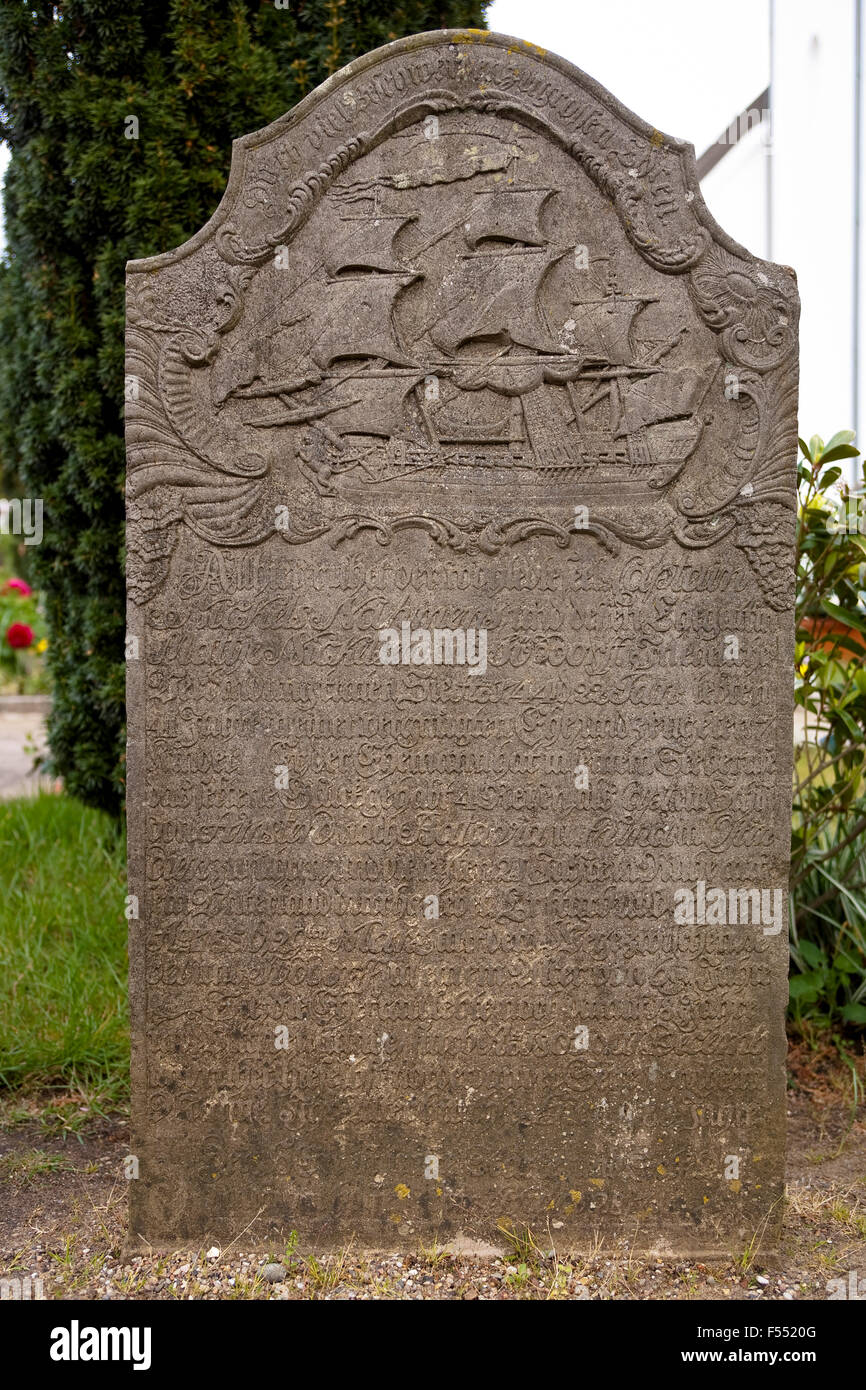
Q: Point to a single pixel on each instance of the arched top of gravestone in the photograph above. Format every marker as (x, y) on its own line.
(461, 288)
(450, 68)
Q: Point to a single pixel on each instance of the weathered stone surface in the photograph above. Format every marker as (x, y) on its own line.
(461, 350)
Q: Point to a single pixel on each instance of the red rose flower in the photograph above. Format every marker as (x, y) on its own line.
(17, 586)
(19, 635)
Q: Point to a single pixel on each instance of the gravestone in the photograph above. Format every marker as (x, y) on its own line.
(461, 498)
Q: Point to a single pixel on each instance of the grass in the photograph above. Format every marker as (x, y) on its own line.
(63, 1023)
(524, 1252)
(22, 1168)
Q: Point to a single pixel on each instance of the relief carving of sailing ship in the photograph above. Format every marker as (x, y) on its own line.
(486, 387)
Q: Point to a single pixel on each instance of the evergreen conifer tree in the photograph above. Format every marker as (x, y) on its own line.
(120, 118)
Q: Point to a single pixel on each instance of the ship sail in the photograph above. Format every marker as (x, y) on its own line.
(358, 321)
(375, 403)
(366, 243)
(493, 295)
(602, 329)
(508, 214)
(672, 395)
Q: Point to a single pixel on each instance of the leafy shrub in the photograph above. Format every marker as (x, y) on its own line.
(22, 636)
(828, 848)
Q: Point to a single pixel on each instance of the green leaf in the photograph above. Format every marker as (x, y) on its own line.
(804, 988)
(842, 451)
(850, 724)
(841, 437)
(849, 616)
(812, 954)
(844, 964)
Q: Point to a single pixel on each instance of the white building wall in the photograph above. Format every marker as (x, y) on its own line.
(805, 216)
(813, 197)
(736, 190)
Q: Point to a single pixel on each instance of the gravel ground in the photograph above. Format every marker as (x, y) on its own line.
(63, 1219)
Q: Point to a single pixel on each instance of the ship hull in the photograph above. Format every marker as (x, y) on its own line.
(458, 468)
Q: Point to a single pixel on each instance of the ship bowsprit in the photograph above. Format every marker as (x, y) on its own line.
(375, 402)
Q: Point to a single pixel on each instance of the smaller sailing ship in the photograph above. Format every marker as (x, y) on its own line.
(650, 413)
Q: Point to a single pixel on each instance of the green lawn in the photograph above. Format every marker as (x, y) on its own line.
(62, 949)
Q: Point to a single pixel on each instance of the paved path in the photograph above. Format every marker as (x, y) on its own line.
(19, 727)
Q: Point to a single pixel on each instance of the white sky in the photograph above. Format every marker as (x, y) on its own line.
(686, 66)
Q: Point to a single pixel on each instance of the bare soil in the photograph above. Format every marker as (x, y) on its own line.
(63, 1220)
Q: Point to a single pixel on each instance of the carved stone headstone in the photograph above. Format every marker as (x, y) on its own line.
(461, 499)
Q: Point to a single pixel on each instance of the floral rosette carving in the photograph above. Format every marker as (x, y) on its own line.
(740, 302)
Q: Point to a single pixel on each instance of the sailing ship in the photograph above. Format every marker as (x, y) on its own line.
(486, 381)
